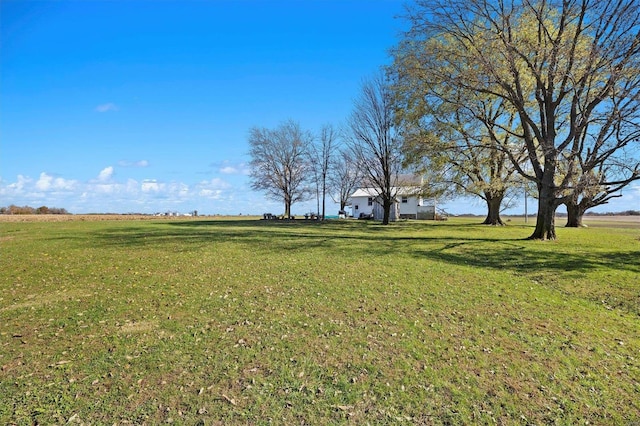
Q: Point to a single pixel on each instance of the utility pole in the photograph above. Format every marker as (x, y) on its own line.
(525, 201)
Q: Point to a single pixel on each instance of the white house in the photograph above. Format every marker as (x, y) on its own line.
(409, 203)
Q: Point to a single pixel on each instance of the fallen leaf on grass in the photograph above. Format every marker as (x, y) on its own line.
(343, 407)
(229, 400)
(74, 419)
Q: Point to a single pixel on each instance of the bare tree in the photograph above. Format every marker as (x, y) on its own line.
(279, 165)
(344, 178)
(321, 156)
(375, 142)
(569, 71)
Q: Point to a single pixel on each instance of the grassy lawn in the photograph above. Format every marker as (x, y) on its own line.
(201, 321)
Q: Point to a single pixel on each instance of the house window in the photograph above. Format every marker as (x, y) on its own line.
(356, 207)
(405, 200)
(370, 201)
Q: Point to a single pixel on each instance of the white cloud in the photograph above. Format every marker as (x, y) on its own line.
(111, 192)
(47, 182)
(214, 189)
(228, 170)
(227, 167)
(141, 163)
(132, 186)
(64, 184)
(217, 183)
(105, 188)
(179, 189)
(20, 184)
(44, 183)
(109, 106)
(105, 174)
(150, 185)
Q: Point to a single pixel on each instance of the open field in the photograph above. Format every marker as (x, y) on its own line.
(102, 217)
(211, 321)
(613, 221)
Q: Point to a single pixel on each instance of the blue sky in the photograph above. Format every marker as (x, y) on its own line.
(145, 106)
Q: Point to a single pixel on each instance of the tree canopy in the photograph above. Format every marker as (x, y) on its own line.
(567, 73)
(279, 163)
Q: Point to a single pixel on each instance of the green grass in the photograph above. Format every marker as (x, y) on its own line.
(236, 322)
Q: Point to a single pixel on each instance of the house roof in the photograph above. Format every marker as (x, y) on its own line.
(365, 192)
(406, 185)
(398, 190)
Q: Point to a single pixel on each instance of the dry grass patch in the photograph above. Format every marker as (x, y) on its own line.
(33, 301)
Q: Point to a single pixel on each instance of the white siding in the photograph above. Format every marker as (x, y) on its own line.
(360, 205)
(417, 208)
(410, 207)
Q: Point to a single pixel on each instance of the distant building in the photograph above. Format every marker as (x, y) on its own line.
(409, 202)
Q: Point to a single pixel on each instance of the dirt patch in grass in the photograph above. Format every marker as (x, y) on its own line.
(37, 300)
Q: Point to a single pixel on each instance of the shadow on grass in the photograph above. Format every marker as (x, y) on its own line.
(517, 255)
(461, 246)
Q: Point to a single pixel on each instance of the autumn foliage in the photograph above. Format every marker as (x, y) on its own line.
(13, 209)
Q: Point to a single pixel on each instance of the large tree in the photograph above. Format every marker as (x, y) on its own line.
(456, 142)
(279, 163)
(569, 71)
(375, 142)
(597, 185)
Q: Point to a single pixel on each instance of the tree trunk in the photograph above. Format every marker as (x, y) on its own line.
(574, 215)
(545, 221)
(493, 210)
(287, 208)
(386, 205)
(324, 195)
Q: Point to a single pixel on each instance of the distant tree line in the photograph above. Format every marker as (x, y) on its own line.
(623, 213)
(13, 209)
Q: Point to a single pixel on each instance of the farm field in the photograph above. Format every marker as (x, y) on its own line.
(613, 221)
(242, 321)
